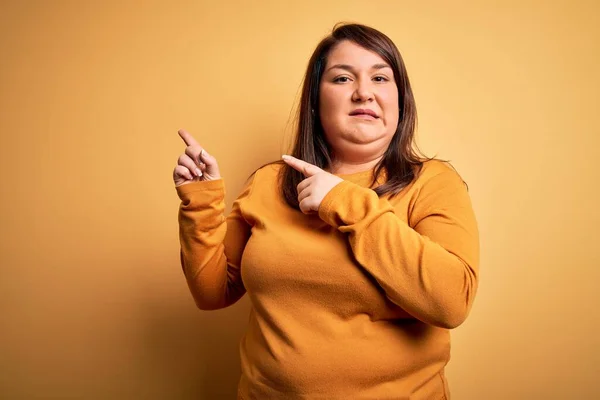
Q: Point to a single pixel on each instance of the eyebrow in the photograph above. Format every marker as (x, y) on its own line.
(351, 68)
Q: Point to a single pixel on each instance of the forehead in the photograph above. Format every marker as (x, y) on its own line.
(347, 52)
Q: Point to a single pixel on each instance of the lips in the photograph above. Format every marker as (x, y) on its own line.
(365, 112)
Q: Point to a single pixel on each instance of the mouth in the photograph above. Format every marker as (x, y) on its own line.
(364, 113)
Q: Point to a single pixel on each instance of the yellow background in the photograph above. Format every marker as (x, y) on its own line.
(93, 301)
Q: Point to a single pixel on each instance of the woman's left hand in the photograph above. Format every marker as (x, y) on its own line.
(315, 187)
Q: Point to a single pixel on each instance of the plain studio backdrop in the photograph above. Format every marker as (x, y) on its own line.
(93, 302)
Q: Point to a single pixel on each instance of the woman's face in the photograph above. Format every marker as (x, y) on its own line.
(358, 103)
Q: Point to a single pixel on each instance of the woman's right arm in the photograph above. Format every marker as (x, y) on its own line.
(211, 245)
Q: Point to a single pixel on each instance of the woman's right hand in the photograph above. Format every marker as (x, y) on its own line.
(195, 165)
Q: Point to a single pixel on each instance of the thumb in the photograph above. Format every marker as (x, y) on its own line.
(206, 158)
(212, 168)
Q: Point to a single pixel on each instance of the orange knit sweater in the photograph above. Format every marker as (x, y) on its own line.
(352, 303)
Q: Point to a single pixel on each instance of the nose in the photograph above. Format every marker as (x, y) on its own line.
(363, 91)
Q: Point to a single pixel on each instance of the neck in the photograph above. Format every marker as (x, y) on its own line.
(344, 167)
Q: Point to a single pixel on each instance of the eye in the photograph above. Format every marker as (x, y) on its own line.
(341, 79)
(380, 79)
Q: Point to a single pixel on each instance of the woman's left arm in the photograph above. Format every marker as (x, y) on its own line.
(428, 266)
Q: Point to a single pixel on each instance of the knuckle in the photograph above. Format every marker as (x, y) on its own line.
(188, 161)
(192, 151)
(181, 171)
(304, 205)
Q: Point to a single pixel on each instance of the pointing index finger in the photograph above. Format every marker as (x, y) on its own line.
(301, 166)
(187, 138)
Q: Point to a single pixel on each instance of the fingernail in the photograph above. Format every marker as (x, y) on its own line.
(198, 172)
(285, 157)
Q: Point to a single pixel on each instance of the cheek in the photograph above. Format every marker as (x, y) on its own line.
(328, 101)
(333, 97)
(392, 110)
(330, 109)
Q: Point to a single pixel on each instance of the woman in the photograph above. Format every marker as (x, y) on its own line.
(358, 256)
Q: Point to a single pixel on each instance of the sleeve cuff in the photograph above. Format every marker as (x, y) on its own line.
(185, 192)
(346, 204)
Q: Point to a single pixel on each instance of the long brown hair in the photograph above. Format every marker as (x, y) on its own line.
(401, 160)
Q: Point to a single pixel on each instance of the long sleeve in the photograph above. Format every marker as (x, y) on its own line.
(212, 245)
(427, 265)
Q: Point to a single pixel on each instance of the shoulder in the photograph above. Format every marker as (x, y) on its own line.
(266, 176)
(263, 180)
(268, 172)
(439, 171)
(437, 178)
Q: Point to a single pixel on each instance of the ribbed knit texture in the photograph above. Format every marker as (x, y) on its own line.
(354, 302)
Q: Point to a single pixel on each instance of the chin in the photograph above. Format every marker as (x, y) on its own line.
(365, 137)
